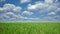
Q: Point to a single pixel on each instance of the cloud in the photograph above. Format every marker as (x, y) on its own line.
(10, 12)
(2, 9)
(2, 1)
(24, 1)
(42, 7)
(31, 7)
(51, 14)
(51, 1)
(7, 12)
(8, 15)
(52, 18)
(57, 10)
(17, 9)
(27, 13)
(10, 8)
(57, 18)
(49, 7)
(11, 16)
(37, 7)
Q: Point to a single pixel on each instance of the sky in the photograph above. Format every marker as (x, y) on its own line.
(29, 10)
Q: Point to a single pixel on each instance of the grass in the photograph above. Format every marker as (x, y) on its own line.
(30, 28)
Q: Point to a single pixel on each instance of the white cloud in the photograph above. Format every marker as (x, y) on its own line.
(37, 6)
(42, 7)
(57, 10)
(10, 8)
(48, 18)
(51, 18)
(51, 1)
(50, 9)
(52, 13)
(57, 18)
(1, 9)
(27, 13)
(31, 7)
(10, 16)
(24, 1)
(2, 1)
(17, 9)
(31, 18)
(7, 12)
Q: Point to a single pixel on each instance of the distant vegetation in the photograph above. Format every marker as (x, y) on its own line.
(29, 28)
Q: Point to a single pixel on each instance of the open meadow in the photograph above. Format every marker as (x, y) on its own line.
(30, 28)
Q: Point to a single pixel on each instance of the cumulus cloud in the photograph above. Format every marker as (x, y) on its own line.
(10, 16)
(51, 18)
(57, 18)
(51, 1)
(31, 7)
(7, 11)
(17, 9)
(24, 1)
(43, 7)
(27, 13)
(58, 10)
(10, 7)
(38, 7)
(2, 1)
(52, 14)
(49, 7)
(2, 9)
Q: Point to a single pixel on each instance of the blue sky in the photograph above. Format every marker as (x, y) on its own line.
(29, 10)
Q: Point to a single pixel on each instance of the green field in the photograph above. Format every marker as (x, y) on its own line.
(30, 28)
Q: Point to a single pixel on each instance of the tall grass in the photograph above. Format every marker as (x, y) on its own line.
(29, 28)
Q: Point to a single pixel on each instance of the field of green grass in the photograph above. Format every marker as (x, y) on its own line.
(29, 28)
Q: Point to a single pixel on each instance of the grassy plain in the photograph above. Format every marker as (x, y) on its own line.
(29, 28)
